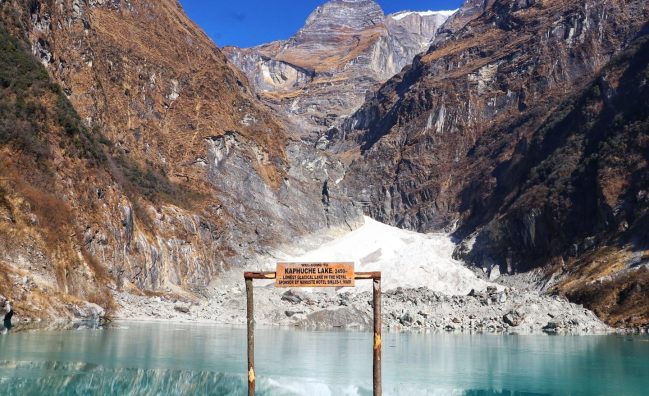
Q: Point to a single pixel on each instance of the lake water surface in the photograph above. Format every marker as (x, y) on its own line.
(177, 359)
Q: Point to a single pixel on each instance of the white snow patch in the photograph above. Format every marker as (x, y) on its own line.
(405, 258)
(400, 15)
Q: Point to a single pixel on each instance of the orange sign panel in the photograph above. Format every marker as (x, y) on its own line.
(315, 275)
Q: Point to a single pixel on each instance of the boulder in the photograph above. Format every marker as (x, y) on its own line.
(337, 317)
(182, 309)
(293, 296)
(292, 313)
(406, 319)
(552, 327)
(513, 318)
(88, 311)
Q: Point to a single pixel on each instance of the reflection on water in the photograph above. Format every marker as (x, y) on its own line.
(151, 359)
(54, 378)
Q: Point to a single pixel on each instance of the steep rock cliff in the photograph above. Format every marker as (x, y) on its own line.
(443, 143)
(569, 188)
(417, 129)
(191, 176)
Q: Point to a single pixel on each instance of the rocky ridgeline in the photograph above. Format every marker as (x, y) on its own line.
(470, 10)
(324, 71)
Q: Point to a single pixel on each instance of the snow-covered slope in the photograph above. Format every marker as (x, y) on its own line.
(405, 258)
(402, 14)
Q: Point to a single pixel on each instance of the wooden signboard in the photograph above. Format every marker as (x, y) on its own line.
(315, 275)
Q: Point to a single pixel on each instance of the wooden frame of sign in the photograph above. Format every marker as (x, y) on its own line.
(292, 275)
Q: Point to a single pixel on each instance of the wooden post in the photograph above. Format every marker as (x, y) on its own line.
(376, 292)
(251, 339)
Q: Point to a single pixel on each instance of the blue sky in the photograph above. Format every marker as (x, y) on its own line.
(246, 23)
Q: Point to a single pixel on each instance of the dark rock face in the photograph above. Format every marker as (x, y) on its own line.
(324, 71)
(573, 195)
(416, 131)
(578, 175)
(495, 134)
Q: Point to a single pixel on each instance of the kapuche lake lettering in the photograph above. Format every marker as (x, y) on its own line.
(315, 275)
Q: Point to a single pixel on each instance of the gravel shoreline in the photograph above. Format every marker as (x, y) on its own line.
(494, 310)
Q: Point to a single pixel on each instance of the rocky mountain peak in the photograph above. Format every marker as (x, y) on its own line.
(336, 23)
(343, 14)
(324, 71)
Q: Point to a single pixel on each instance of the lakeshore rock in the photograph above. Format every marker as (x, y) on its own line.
(406, 319)
(293, 296)
(344, 317)
(513, 318)
(293, 313)
(182, 309)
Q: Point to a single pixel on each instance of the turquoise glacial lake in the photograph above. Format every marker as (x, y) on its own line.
(178, 359)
